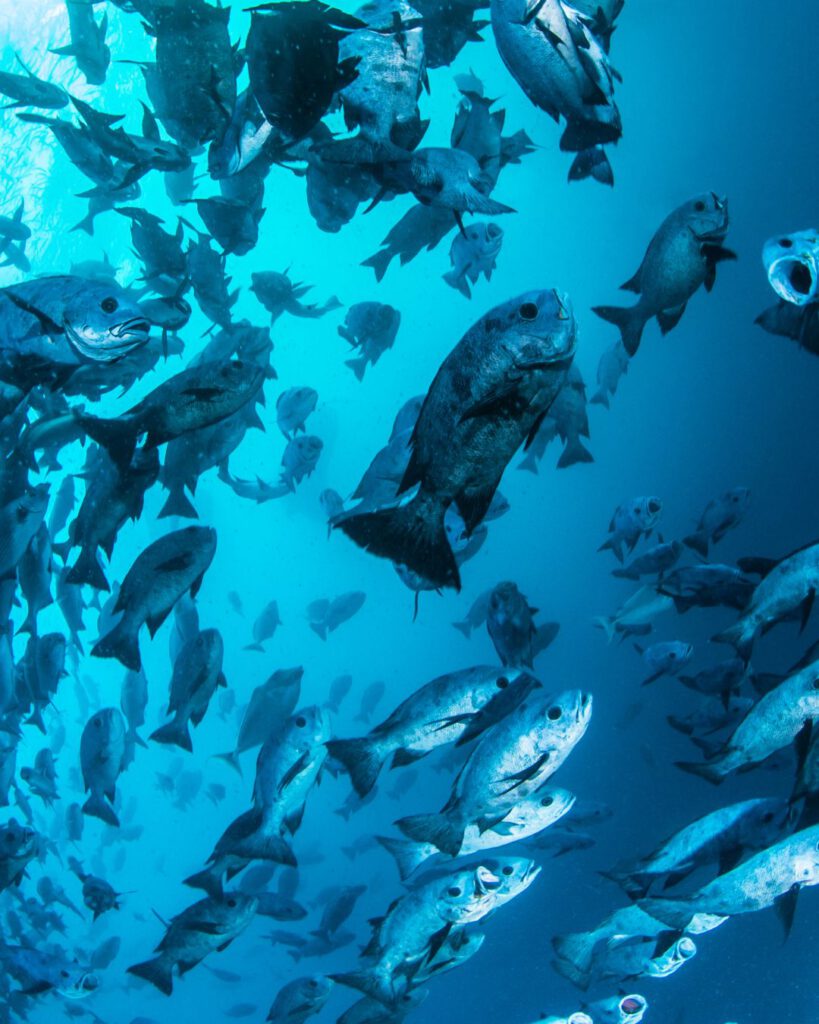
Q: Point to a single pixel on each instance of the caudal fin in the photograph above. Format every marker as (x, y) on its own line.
(573, 453)
(209, 879)
(574, 954)
(697, 542)
(175, 733)
(88, 570)
(740, 636)
(369, 982)
(117, 436)
(676, 913)
(158, 971)
(358, 366)
(178, 504)
(362, 760)
(98, 807)
(408, 855)
(709, 772)
(411, 533)
(379, 262)
(438, 829)
(458, 282)
(592, 163)
(628, 319)
(121, 643)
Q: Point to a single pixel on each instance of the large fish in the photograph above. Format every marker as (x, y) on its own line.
(436, 714)
(792, 265)
(488, 397)
(51, 326)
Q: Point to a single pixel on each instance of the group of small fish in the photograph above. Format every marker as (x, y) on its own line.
(335, 98)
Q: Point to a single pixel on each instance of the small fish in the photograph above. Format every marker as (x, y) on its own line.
(665, 659)
(720, 515)
(292, 409)
(371, 328)
(265, 626)
(654, 562)
(102, 758)
(325, 616)
(631, 521)
(300, 459)
(473, 253)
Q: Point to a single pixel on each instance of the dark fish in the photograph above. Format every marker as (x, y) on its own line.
(30, 91)
(87, 46)
(197, 671)
(489, 395)
(160, 575)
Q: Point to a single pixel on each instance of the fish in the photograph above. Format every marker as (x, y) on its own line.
(774, 722)
(27, 90)
(300, 459)
(722, 837)
(567, 419)
(509, 622)
(564, 69)
(682, 257)
(707, 586)
(197, 672)
(472, 253)
(720, 515)
(631, 521)
(462, 442)
(799, 323)
(203, 928)
(792, 265)
(300, 999)
(159, 576)
(278, 294)
(88, 47)
(436, 714)
(527, 818)
(668, 658)
(512, 759)
(293, 406)
(195, 398)
(371, 329)
(265, 626)
(133, 701)
(724, 678)
(102, 757)
(18, 847)
(787, 588)
(622, 1009)
(269, 707)
(773, 877)
(51, 326)
(612, 366)
(325, 616)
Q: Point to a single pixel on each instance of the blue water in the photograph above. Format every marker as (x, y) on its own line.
(714, 96)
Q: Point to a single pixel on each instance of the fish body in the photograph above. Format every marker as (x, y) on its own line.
(300, 999)
(720, 515)
(102, 758)
(18, 847)
(197, 671)
(293, 406)
(510, 624)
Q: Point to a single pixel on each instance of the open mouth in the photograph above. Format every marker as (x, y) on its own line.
(795, 279)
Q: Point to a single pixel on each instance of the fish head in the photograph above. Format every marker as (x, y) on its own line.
(310, 727)
(792, 265)
(516, 874)
(229, 915)
(538, 327)
(314, 990)
(706, 216)
(546, 806)
(465, 896)
(103, 323)
(579, 1018)
(738, 500)
(646, 511)
(684, 948)
(17, 841)
(106, 730)
(566, 717)
(632, 1009)
(503, 597)
(78, 986)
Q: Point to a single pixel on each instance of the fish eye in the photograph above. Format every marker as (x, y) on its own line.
(699, 206)
(313, 983)
(785, 243)
(502, 683)
(816, 684)
(554, 713)
(301, 721)
(768, 817)
(508, 870)
(454, 891)
(231, 903)
(528, 311)
(109, 305)
(547, 801)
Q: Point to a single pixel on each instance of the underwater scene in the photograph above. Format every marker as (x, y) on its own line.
(408, 512)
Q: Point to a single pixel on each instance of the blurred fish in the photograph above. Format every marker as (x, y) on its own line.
(720, 515)
(325, 616)
(631, 521)
(265, 626)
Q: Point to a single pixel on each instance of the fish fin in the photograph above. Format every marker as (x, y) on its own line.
(121, 643)
(697, 542)
(806, 608)
(592, 163)
(154, 622)
(629, 320)
(97, 807)
(497, 401)
(669, 318)
(232, 758)
(362, 760)
(573, 453)
(458, 282)
(379, 262)
(785, 907)
(756, 566)
(366, 981)
(358, 366)
(117, 436)
(705, 771)
(676, 913)
(411, 533)
(408, 855)
(474, 505)
(178, 504)
(88, 570)
(802, 744)
(674, 878)
(175, 733)
(464, 627)
(209, 880)
(158, 971)
(403, 757)
(437, 829)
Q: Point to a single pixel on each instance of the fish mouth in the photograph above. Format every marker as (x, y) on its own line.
(110, 345)
(584, 707)
(795, 278)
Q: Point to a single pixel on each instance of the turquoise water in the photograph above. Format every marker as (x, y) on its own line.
(713, 98)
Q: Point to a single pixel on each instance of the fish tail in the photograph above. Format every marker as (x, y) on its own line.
(379, 262)
(628, 319)
(464, 627)
(362, 760)
(574, 955)
(573, 453)
(529, 462)
(709, 772)
(232, 758)
(175, 733)
(592, 163)
(121, 643)
(408, 855)
(607, 625)
(600, 398)
(158, 971)
(117, 437)
(411, 533)
(698, 542)
(439, 829)
(178, 504)
(98, 807)
(358, 366)
(458, 282)
(88, 570)
(740, 636)
(370, 982)
(209, 879)
(676, 913)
